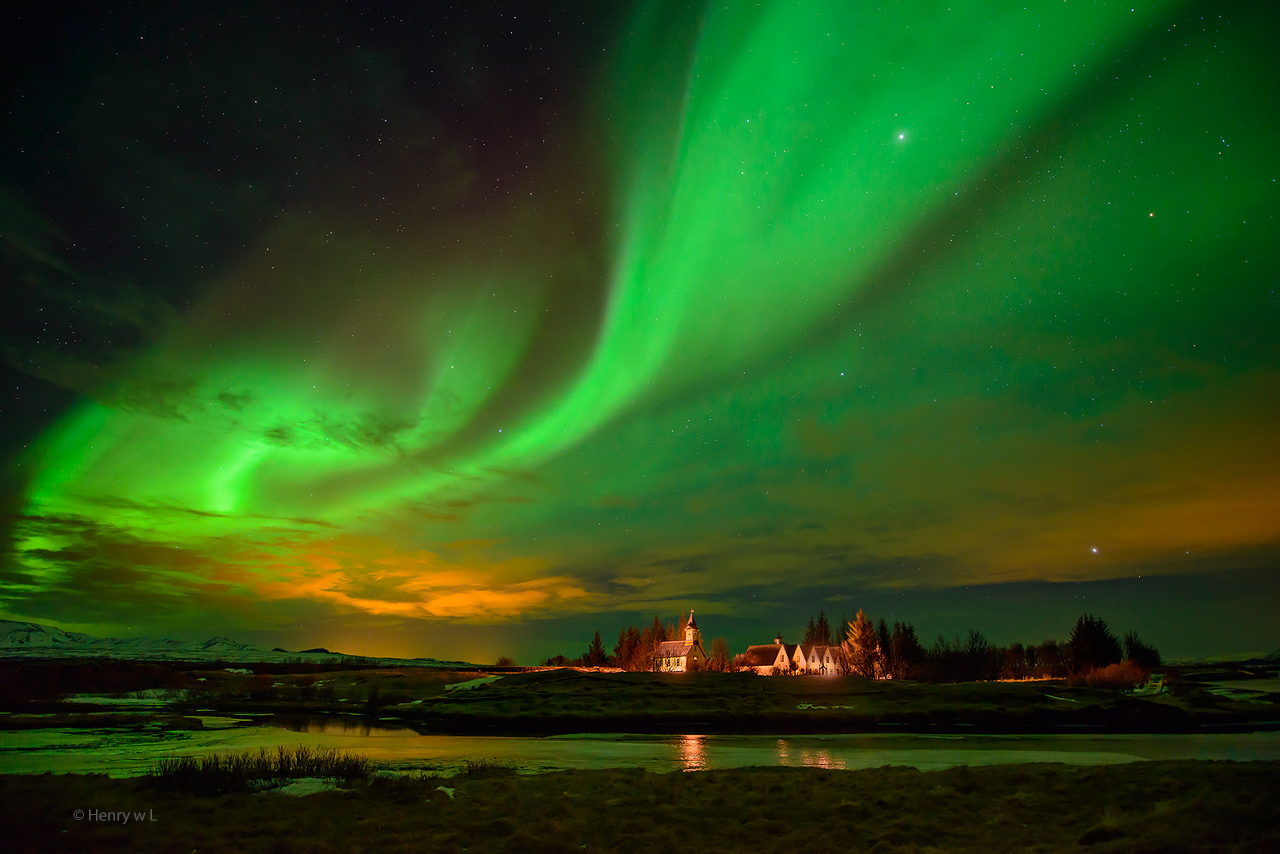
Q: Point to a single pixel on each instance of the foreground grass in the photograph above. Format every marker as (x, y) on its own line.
(1155, 806)
(222, 773)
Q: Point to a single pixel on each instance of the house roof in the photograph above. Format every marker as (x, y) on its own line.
(673, 649)
(760, 655)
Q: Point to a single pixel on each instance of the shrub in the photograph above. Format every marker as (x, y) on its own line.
(1120, 677)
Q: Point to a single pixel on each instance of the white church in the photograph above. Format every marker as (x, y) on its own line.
(681, 656)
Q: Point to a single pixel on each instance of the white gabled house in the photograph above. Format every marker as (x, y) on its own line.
(821, 660)
(777, 658)
(788, 658)
(759, 658)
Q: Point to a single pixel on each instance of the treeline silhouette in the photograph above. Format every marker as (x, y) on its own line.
(1092, 654)
(880, 652)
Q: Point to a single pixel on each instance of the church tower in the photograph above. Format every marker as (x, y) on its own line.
(691, 632)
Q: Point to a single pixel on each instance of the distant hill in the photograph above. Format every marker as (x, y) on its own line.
(32, 640)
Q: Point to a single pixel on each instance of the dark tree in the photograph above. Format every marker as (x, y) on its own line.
(630, 652)
(1092, 645)
(718, 659)
(1015, 662)
(1146, 657)
(824, 630)
(595, 655)
(908, 654)
(1051, 659)
(981, 659)
(810, 633)
(885, 641)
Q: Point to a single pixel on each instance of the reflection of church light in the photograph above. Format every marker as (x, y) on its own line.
(783, 752)
(691, 753)
(821, 759)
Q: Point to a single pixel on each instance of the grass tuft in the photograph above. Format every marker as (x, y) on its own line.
(251, 771)
(483, 769)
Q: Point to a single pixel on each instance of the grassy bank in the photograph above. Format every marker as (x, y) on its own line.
(1155, 806)
(565, 700)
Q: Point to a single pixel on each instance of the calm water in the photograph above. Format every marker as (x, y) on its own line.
(124, 753)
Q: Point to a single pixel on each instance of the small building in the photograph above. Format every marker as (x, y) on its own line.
(778, 658)
(759, 658)
(681, 656)
(795, 659)
(821, 660)
(787, 658)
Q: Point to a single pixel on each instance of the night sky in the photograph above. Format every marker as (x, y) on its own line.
(464, 332)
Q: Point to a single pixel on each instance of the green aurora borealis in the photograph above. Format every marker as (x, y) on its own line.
(762, 308)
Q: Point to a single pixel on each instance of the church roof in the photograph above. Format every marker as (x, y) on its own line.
(691, 624)
(672, 649)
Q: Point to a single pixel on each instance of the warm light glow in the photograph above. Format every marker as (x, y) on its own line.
(691, 755)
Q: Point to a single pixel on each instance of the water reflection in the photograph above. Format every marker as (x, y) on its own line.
(820, 759)
(690, 753)
(346, 724)
(129, 751)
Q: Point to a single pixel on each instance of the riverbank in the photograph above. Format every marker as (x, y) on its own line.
(1148, 806)
(551, 702)
(568, 701)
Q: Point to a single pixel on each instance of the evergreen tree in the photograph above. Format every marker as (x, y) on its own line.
(908, 654)
(630, 652)
(810, 633)
(860, 647)
(1146, 657)
(824, 630)
(1092, 645)
(885, 642)
(595, 655)
(658, 631)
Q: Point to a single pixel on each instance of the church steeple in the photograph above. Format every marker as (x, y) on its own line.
(692, 634)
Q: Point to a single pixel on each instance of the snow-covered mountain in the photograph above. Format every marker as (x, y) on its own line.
(32, 640)
(26, 635)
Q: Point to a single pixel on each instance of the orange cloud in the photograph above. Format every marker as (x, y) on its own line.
(367, 575)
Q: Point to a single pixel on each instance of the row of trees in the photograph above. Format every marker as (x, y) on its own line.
(878, 652)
